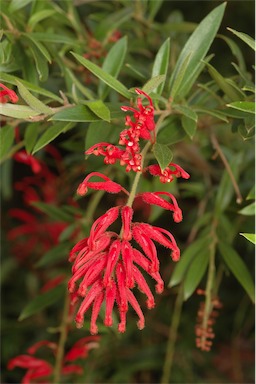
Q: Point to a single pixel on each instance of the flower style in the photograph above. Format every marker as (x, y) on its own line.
(107, 267)
(41, 369)
(7, 94)
(166, 175)
(143, 127)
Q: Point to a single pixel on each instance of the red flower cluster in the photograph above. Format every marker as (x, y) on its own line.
(7, 94)
(39, 368)
(141, 128)
(107, 264)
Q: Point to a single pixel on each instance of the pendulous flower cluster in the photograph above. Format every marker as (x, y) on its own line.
(107, 265)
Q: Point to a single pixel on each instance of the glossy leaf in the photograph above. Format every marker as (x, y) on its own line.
(195, 50)
(161, 62)
(163, 155)
(43, 301)
(238, 267)
(32, 101)
(99, 109)
(226, 87)
(113, 64)
(104, 76)
(153, 83)
(50, 134)
(78, 113)
(245, 106)
(187, 258)
(248, 211)
(250, 237)
(17, 111)
(195, 272)
(244, 37)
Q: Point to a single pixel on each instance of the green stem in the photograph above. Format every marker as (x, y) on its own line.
(172, 337)
(62, 341)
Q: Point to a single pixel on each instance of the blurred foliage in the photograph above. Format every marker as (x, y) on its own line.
(73, 64)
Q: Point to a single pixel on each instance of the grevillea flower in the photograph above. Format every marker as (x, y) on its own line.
(166, 175)
(107, 267)
(7, 94)
(24, 157)
(38, 369)
(141, 127)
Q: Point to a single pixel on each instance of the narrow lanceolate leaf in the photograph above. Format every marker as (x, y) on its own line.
(39, 46)
(163, 155)
(50, 134)
(99, 109)
(185, 110)
(161, 63)
(113, 64)
(41, 63)
(244, 37)
(224, 85)
(54, 212)
(196, 272)
(6, 139)
(245, 106)
(206, 111)
(30, 136)
(250, 237)
(153, 83)
(17, 111)
(43, 301)
(186, 259)
(39, 16)
(238, 267)
(78, 113)
(101, 132)
(104, 76)
(54, 255)
(196, 49)
(32, 101)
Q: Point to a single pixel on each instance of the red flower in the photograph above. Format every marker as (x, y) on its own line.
(166, 175)
(139, 128)
(6, 94)
(36, 368)
(24, 157)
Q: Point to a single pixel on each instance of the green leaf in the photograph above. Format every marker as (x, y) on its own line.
(111, 22)
(161, 62)
(54, 255)
(13, 80)
(237, 266)
(248, 211)
(32, 101)
(99, 109)
(251, 194)
(104, 76)
(15, 5)
(189, 126)
(249, 236)
(205, 111)
(113, 64)
(43, 301)
(178, 80)
(47, 37)
(171, 131)
(39, 16)
(187, 258)
(78, 113)
(245, 106)
(50, 134)
(40, 47)
(196, 272)
(101, 132)
(30, 136)
(223, 84)
(6, 139)
(57, 213)
(185, 110)
(154, 7)
(41, 63)
(244, 37)
(163, 155)
(17, 111)
(195, 50)
(236, 51)
(153, 83)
